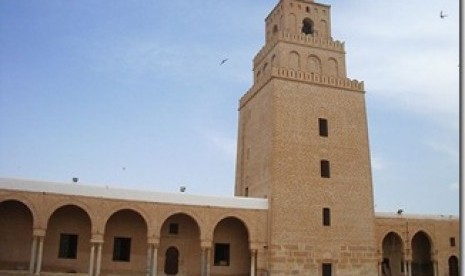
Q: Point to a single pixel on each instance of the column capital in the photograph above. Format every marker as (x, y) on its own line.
(257, 245)
(38, 232)
(96, 238)
(206, 244)
(155, 241)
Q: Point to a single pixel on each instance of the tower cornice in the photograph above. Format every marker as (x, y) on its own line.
(304, 77)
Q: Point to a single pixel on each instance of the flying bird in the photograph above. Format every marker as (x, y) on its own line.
(442, 15)
(223, 61)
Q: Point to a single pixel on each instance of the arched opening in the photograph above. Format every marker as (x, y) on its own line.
(66, 243)
(171, 261)
(393, 262)
(313, 64)
(323, 30)
(182, 232)
(453, 266)
(17, 237)
(421, 255)
(230, 250)
(292, 23)
(307, 26)
(125, 243)
(275, 29)
(294, 61)
(333, 67)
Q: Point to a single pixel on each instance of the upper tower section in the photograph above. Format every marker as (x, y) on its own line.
(299, 17)
(299, 46)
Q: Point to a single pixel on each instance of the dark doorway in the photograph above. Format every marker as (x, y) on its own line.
(171, 261)
(422, 264)
(453, 266)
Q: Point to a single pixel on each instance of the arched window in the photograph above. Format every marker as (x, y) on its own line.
(307, 26)
(171, 261)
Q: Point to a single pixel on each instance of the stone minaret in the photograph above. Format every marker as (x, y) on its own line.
(303, 144)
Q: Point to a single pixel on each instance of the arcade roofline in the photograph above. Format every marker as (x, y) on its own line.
(75, 189)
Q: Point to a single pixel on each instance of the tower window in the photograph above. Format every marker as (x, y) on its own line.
(68, 246)
(324, 164)
(323, 126)
(327, 269)
(307, 9)
(452, 242)
(174, 228)
(121, 249)
(326, 217)
(307, 27)
(275, 29)
(221, 254)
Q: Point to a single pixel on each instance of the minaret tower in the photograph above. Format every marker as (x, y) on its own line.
(303, 144)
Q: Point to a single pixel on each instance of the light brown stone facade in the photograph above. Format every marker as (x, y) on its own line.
(304, 198)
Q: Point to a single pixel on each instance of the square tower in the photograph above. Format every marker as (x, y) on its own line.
(303, 144)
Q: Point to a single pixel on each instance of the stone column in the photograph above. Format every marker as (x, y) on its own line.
(33, 254)
(92, 259)
(253, 269)
(409, 268)
(152, 255)
(203, 262)
(99, 259)
(39, 255)
(205, 246)
(154, 260)
(149, 259)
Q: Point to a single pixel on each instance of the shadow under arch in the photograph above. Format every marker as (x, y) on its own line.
(231, 250)
(393, 254)
(422, 264)
(125, 242)
(16, 239)
(181, 231)
(70, 202)
(68, 232)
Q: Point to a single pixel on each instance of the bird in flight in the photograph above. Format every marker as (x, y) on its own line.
(223, 61)
(442, 15)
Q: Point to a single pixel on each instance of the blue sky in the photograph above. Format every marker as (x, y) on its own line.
(131, 94)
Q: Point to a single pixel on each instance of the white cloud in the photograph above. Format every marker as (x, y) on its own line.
(444, 147)
(377, 163)
(454, 186)
(409, 59)
(224, 144)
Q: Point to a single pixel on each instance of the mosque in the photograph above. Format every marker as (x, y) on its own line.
(303, 202)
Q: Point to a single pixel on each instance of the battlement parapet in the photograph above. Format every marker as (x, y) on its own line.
(311, 78)
(308, 40)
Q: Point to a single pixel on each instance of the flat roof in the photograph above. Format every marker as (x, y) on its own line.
(394, 215)
(131, 195)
